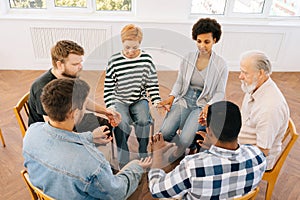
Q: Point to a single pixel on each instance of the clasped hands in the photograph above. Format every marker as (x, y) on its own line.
(102, 136)
(165, 105)
(113, 116)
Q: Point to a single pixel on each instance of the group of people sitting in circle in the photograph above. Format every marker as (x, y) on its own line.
(229, 148)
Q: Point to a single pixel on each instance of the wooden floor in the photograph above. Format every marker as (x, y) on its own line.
(13, 84)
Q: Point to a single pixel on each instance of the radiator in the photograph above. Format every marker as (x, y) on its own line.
(95, 41)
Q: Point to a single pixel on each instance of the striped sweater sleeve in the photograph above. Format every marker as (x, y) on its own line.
(109, 85)
(152, 85)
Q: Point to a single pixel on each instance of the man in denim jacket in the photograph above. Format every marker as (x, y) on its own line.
(65, 164)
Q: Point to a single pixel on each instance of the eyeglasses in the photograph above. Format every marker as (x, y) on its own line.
(133, 49)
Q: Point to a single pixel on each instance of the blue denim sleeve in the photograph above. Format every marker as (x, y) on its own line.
(87, 135)
(105, 185)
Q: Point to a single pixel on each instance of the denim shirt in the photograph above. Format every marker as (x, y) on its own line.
(66, 165)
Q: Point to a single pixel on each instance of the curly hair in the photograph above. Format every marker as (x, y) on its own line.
(63, 48)
(207, 25)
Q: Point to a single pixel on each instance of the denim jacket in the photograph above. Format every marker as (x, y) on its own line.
(66, 165)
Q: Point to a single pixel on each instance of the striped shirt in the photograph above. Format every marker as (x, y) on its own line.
(129, 80)
(216, 173)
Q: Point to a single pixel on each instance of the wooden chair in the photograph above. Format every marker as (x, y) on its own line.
(249, 196)
(2, 139)
(36, 193)
(21, 111)
(288, 141)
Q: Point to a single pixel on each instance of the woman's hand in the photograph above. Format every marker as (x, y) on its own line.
(113, 116)
(167, 103)
(203, 116)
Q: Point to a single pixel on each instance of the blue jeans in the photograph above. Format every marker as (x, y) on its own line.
(138, 115)
(185, 119)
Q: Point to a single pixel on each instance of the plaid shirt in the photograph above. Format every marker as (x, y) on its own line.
(216, 173)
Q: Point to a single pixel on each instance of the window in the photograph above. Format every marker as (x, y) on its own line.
(208, 6)
(113, 5)
(246, 6)
(71, 3)
(100, 5)
(268, 8)
(33, 4)
(285, 8)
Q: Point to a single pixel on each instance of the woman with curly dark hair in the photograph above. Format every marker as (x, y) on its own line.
(201, 81)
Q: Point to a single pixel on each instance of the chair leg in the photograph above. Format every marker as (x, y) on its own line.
(112, 149)
(269, 190)
(2, 139)
(152, 127)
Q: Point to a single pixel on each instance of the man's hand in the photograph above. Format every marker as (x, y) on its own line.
(158, 147)
(100, 135)
(157, 143)
(114, 117)
(208, 139)
(145, 163)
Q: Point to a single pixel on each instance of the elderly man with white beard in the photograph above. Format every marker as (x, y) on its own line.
(265, 112)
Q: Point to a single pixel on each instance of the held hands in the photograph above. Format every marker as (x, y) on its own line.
(203, 116)
(158, 147)
(113, 116)
(145, 163)
(167, 103)
(101, 135)
(157, 143)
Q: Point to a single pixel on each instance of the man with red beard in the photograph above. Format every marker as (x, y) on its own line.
(265, 112)
(67, 58)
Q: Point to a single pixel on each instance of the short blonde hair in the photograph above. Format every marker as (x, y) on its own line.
(131, 32)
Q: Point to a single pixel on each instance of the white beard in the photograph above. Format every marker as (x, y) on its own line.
(248, 88)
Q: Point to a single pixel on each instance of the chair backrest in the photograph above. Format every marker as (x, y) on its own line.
(2, 138)
(250, 195)
(288, 141)
(35, 192)
(21, 111)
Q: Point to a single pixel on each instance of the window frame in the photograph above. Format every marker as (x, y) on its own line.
(228, 13)
(52, 9)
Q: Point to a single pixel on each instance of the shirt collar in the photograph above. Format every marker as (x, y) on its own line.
(218, 151)
(66, 135)
(260, 91)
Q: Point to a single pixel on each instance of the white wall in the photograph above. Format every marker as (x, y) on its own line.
(167, 36)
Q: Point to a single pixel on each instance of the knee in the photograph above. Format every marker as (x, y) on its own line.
(124, 127)
(187, 140)
(143, 121)
(168, 136)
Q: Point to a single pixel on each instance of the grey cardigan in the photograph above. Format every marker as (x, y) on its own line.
(215, 80)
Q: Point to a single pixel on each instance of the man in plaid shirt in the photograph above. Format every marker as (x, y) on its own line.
(224, 171)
